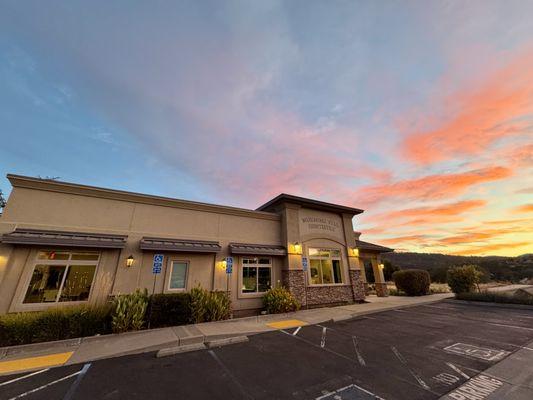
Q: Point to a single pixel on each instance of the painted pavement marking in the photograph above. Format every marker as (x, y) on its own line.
(411, 371)
(511, 326)
(358, 352)
(23, 364)
(477, 388)
(296, 331)
(286, 324)
(24, 377)
(76, 383)
(243, 391)
(350, 392)
(317, 346)
(446, 378)
(483, 353)
(456, 369)
(46, 385)
(323, 338)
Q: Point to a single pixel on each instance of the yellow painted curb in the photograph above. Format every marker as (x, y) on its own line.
(23, 364)
(288, 323)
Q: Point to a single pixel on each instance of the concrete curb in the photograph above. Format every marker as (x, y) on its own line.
(227, 341)
(170, 351)
(491, 304)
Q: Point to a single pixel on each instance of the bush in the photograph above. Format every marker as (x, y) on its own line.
(170, 309)
(280, 300)
(414, 282)
(494, 297)
(389, 269)
(463, 279)
(129, 311)
(54, 324)
(208, 306)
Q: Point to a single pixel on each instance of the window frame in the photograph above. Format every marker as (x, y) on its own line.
(255, 265)
(67, 264)
(327, 258)
(169, 279)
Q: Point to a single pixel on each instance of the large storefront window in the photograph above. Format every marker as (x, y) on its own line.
(62, 276)
(325, 266)
(256, 275)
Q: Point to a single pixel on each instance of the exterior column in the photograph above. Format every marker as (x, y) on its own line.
(381, 285)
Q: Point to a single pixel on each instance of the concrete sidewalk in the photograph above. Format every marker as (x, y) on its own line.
(18, 359)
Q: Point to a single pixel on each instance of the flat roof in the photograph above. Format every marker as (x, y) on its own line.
(122, 195)
(309, 203)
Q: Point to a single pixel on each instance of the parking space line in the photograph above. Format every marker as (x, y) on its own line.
(511, 326)
(323, 338)
(317, 346)
(296, 331)
(24, 377)
(45, 386)
(411, 371)
(286, 324)
(23, 364)
(456, 369)
(76, 383)
(357, 352)
(230, 375)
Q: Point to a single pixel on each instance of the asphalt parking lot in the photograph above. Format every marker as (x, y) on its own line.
(421, 352)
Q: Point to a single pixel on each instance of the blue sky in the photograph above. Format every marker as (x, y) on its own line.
(355, 102)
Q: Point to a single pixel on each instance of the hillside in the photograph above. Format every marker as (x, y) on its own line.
(498, 268)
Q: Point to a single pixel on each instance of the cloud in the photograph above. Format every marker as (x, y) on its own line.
(487, 249)
(526, 208)
(477, 117)
(432, 187)
(528, 190)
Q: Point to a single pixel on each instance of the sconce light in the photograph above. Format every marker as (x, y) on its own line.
(297, 248)
(381, 266)
(222, 264)
(355, 252)
(129, 261)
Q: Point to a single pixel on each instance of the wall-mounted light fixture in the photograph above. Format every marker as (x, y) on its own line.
(222, 264)
(295, 248)
(129, 261)
(354, 252)
(381, 266)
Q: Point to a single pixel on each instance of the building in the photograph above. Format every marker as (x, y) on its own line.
(64, 243)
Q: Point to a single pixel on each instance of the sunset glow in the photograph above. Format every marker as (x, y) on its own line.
(420, 113)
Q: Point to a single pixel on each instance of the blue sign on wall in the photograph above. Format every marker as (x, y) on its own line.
(229, 265)
(158, 263)
(304, 263)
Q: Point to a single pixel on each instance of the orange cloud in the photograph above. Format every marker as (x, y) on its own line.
(523, 209)
(433, 186)
(404, 239)
(489, 248)
(479, 117)
(430, 214)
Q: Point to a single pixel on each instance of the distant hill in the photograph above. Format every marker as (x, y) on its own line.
(498, 268)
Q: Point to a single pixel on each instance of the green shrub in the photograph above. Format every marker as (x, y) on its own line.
(414, 282)
(170, 309)
(280, 300)
(54, 324)
(208, 306)
(494, 297)
(218, 306)
(129, 311)
(463, 279)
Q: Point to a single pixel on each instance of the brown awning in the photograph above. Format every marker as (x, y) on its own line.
(257, 249)
(38, 237)
(367, 246)
(181, 245)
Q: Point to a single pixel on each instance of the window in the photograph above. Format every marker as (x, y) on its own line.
(61, 276)
(178, 275)
(325, 266)
(256, 275)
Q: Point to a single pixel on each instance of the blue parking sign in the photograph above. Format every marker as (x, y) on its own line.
(158, 263)
(229, 265)
(304, 263)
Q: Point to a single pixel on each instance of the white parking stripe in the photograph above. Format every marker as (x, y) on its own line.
(24, 377)
(45, 386)
(296, 331)
(456, 369)
(323, 339)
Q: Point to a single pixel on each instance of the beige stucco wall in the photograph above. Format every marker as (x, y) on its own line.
(41, 209)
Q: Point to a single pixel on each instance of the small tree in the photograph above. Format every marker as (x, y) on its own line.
(3, 201)
(414, 282)
(389, 269)
(464, 279)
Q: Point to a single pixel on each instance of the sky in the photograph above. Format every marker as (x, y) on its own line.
(419, 112)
